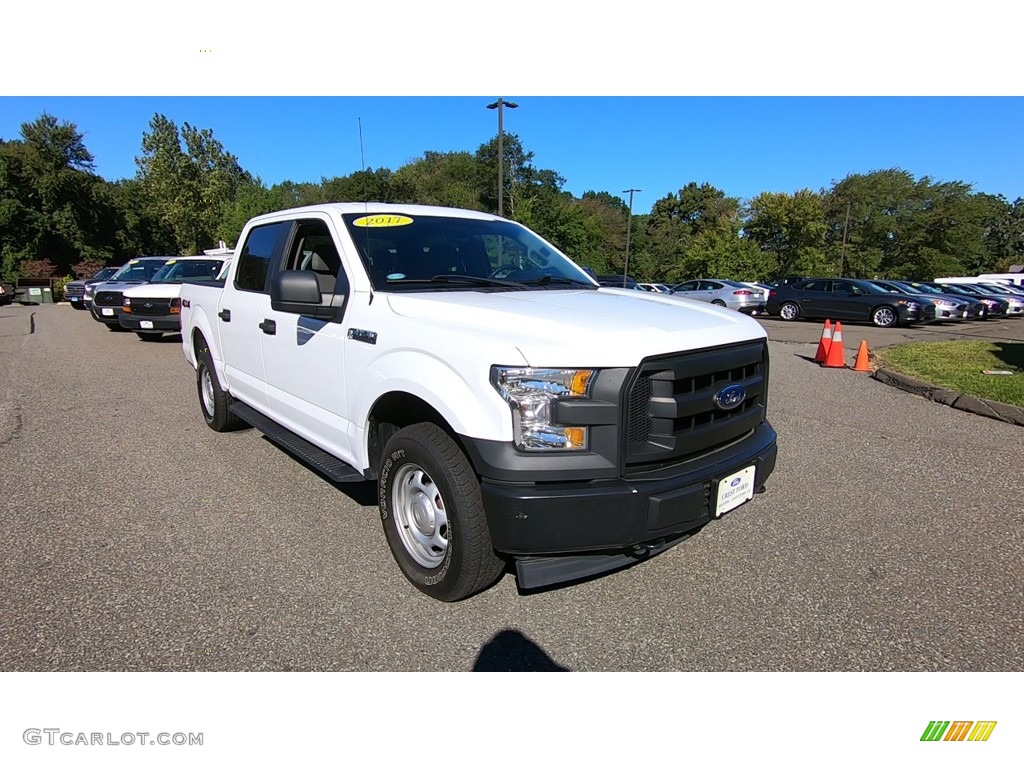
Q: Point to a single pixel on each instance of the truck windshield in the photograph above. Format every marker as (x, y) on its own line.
(138, 271)
(417, 253)
(176, 271)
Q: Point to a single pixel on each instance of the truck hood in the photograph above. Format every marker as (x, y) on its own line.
(605, 327)
(154, 291)
(119, 286)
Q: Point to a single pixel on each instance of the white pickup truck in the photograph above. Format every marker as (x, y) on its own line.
(508, 408)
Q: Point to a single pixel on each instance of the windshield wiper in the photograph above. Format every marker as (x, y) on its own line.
(459, 279)
(560, 280)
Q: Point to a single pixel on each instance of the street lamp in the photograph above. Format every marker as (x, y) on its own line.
(499, 105)
(629, 227)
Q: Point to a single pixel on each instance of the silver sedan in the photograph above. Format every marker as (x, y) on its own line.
(725, 293)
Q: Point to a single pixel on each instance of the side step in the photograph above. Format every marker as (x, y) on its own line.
(319, 459)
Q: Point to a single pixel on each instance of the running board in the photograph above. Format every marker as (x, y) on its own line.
(336, 469)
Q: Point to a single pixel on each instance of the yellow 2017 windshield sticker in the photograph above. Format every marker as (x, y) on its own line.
(382, 220)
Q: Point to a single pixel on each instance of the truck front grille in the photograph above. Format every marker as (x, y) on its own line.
(671, 414)
(107, 299)
(151, 306)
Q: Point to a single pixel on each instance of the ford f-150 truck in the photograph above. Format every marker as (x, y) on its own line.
(508, 408)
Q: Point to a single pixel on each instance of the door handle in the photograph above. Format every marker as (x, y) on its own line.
(225, 315)
(269, 327)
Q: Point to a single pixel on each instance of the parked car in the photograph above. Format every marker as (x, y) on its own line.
(724, 293)
(849, 300)
(655, 287)
(6, 294)
(107, 298)
(153, 309)
(947, 308)
(976, 309)
(1013, 299)
(995, 305)
(617, 281)
(75, 291)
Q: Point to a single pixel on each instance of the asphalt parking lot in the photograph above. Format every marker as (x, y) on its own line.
(135, 538)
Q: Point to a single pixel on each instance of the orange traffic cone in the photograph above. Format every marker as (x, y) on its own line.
(836, 353)
(824, 343)
(862, 363)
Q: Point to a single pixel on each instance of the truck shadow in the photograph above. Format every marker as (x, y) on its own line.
(512, 651)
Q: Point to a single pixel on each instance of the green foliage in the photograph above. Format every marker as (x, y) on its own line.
(190, 180)
(790, 232)
(58, 287)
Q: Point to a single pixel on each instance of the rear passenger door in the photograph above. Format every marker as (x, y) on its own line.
(243, 305)
(814, 297)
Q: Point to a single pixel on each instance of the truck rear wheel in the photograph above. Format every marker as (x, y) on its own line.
(213, 400)
(433, 515)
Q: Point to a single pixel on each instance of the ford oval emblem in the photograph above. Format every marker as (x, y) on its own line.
(736, 482)
(730, 397)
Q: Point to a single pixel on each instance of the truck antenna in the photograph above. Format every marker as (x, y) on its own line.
(366, 206)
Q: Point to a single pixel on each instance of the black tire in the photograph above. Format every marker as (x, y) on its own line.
(885, 317)
(433, 515)
(78, 306)
(113, 327)
(148, 336)
(216, 402)
(718, 303)
(793, 310)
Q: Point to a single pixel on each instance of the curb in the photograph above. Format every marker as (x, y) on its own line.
(1010, 414)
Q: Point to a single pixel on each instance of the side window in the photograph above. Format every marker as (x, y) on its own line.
(690, 286)
(313, 250)
(256, 255)
(814, 285)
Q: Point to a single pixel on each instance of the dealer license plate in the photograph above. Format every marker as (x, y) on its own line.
(145, 323)
(107, 311)
(734, 490)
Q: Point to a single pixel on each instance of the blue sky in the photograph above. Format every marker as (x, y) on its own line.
(743, 145)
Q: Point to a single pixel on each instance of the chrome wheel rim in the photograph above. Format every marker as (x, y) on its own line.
(788, 311)
(207, 391)
(884, 316)
(420, 516)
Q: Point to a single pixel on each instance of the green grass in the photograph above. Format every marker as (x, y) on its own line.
(959, 364)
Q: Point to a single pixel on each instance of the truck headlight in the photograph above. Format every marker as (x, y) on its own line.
(530, 393)
(126, 305)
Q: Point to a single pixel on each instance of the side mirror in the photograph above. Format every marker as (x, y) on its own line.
(298, 292)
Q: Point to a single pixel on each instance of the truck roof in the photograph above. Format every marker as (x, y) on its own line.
(375, 207)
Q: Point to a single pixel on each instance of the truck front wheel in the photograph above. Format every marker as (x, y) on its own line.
(213, 400)
(433, 515)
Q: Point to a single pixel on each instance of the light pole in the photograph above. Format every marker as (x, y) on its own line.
(499, 105)
(629, 227)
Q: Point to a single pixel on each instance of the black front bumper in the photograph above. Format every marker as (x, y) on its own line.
(161, 323)
(97, 314)
(563, 531)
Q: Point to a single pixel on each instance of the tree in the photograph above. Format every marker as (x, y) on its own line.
(790, 229)
(190, 178)
(440, 178)
(52, 207)
(677, 220)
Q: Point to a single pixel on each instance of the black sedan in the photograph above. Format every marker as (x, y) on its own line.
(849, 300)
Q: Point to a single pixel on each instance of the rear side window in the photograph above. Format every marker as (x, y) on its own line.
(264, 244)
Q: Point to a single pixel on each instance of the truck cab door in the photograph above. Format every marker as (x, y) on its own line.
(304, 356)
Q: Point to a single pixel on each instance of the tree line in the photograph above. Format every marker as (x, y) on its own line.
(58, 217)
